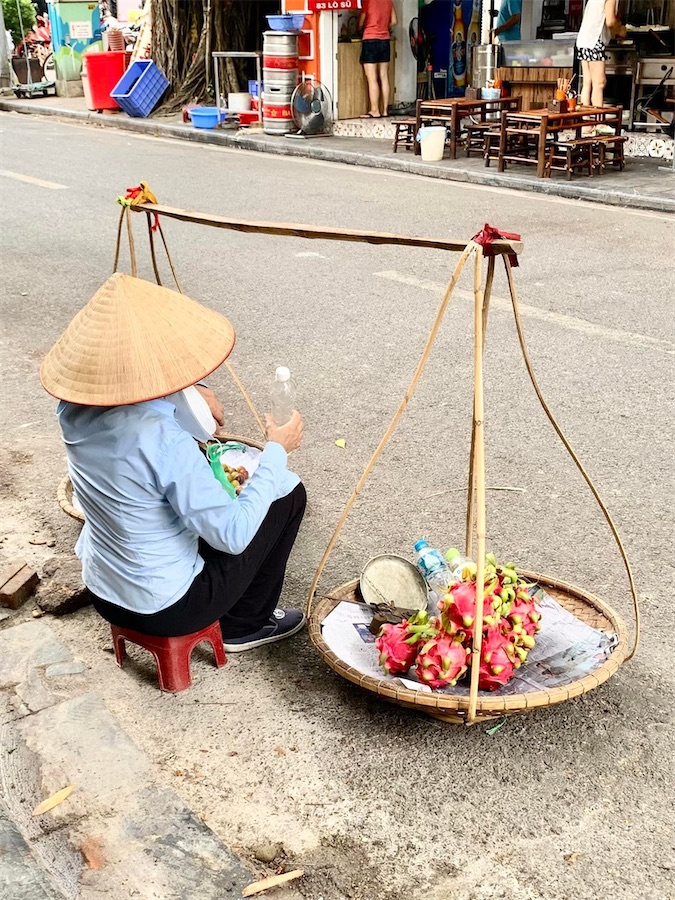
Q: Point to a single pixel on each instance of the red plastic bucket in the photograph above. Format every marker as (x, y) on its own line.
(104, 70)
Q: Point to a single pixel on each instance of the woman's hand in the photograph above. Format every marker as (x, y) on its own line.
(289, 435)
(214, 403)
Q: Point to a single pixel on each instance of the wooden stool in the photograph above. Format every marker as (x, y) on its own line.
(610, 151)
(566, 156)
(405, 133)
(475, 137)
(491, 146)
(172, 655)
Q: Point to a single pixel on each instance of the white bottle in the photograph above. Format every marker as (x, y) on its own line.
(283, 395)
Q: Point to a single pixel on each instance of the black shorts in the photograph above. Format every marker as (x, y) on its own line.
(375, 51)
(593, 54)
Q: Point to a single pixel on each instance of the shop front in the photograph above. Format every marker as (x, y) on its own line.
(640, 68)
(433, 44)
(331, 52)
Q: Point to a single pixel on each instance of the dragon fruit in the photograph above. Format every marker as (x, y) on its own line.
(442, 646)
(398, 644)
(458, 609)
(442, 660)
(497, 659)
(525, 613)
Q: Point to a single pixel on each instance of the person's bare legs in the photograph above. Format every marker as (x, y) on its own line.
(598, 82)
(373, 88)
(383, 72)
(586, 84)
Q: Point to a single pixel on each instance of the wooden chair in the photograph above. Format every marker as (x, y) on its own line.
(520, 145)
(491, 146)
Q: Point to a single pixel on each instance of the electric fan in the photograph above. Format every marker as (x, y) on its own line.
(312, 109)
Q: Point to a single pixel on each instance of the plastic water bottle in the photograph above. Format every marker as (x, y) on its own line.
(283, 395)
(433, 567)
(456, 562)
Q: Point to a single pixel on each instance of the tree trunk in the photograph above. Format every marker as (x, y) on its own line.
(184, 34)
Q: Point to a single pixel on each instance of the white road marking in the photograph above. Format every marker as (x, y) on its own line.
(543, 315)
(17, 176)
(311, 254)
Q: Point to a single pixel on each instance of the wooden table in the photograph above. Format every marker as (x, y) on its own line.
(546, 124)
(452, 110)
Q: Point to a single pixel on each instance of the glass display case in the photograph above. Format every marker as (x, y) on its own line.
(537, 54)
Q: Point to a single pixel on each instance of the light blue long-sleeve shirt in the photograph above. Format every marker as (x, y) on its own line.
(148, 495)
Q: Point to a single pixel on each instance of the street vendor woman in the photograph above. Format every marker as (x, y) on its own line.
(165, 550)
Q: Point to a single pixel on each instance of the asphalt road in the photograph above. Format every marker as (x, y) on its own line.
(570, 802)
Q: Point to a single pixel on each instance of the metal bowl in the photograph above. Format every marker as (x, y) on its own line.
(392, 586)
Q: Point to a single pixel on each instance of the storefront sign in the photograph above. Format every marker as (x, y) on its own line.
(332, 5)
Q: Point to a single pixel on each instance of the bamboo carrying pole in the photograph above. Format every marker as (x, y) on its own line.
(312, 232)
(471, 496)
(477, 490)
(479, 472)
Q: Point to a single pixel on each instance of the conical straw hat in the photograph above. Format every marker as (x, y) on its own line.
(135, 341)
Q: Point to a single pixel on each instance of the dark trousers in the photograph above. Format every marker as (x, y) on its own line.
(241, 591)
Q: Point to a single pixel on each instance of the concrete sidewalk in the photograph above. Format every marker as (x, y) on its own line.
(642, 185)
(123, 832)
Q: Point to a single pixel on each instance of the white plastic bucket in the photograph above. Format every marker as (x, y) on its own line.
(239, 102)
(432, 142)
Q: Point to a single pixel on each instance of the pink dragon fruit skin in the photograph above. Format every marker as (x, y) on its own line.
(524, 612)
(441, 661)
(396, 656)
(459, 608)
(497, 659)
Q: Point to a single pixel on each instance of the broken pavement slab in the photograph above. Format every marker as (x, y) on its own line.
(34, 693)
(150, 841)
(28, 646)
(121, 832)
(21, 875)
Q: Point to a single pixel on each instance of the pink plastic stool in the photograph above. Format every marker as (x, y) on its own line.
(172, 655)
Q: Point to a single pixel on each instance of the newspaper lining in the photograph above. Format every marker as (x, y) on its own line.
(566, 650)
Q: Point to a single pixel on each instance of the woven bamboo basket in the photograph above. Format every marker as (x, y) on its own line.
(454, 707)
(64, 495)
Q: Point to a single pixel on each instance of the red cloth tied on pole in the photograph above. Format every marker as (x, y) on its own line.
(490, 234)
(136, 196)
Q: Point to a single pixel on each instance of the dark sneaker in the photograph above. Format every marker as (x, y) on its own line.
(283, 623)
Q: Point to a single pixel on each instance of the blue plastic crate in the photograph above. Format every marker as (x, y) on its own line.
(140, 89)
(253, 87)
